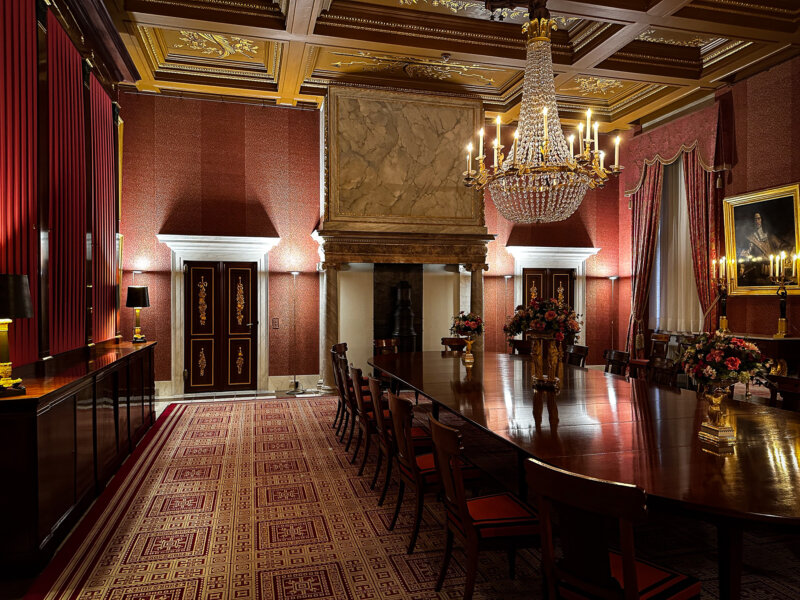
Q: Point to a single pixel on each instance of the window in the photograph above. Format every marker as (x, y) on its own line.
(674, 303)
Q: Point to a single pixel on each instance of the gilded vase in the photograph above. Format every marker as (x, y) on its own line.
(547, 359)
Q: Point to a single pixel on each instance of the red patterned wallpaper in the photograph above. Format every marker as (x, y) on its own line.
(213, 168)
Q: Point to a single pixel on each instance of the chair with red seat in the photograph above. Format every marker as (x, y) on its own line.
(416, 469)
(366, 412)
(483, 522)
(385, 433)
(339, 420)
(589, 568)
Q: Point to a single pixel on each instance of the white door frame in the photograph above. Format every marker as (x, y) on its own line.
(215, 248)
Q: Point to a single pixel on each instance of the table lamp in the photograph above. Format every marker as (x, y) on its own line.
(15, 303)
(137, 299)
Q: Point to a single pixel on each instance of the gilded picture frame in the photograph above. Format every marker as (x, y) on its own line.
(758, 224)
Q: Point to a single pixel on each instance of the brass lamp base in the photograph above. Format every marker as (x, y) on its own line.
(783, 328)
(139, 339)
(8, 386)
(723, 325)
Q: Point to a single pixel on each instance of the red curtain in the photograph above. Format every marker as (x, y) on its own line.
(19, 239)
(67, 222)
(646, 217)
(704, 223)
(103, 218)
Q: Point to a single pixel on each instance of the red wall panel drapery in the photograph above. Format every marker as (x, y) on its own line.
(704, 223)
(67, 222)
(18, 208)
(103, 230)
(646, 217)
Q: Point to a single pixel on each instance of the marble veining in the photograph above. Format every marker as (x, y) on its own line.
(402, 159)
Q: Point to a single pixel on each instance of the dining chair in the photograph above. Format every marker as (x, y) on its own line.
(616, 361)
(662, 371)
(495, 521)
(365, 415)
(588, 567)
(336, 350)
(385, 434)
(576, 355)
(384, 346)
(454, 344)
(787, 387)
(659, 345)
(416, 468)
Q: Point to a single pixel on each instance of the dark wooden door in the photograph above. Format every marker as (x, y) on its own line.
(548, 283)
(220, 336)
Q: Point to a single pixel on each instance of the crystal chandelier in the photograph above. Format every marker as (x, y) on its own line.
(542, 179)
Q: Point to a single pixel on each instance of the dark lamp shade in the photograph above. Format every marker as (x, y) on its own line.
(15, 297)
(137, 297)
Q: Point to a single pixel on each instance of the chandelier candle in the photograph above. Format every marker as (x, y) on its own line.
(571, 145)
(542, 180)
(480, 144)
(616, 152)
(580, 138)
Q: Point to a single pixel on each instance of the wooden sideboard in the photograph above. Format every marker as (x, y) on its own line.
(61, 443)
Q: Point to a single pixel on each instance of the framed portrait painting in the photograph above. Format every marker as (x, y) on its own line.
(759, 225)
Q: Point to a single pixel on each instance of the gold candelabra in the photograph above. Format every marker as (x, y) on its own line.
(783, 324)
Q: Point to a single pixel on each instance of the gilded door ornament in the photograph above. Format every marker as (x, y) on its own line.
(534, 291)
(239, 361)
(201, 300)
(239, 302)
(560, 293)
(202, 362)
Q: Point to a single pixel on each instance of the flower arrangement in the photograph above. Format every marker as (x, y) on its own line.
(467, 324)
(721, 357)
(544, 316)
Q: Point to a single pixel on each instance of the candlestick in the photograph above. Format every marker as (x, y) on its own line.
(772, 265)
(616, 152)
(497, 121)
(588, 122)
(722, 267)
(480, 142)
(544, 116)
(496, 145)
(514, 149)
(783, 264)
(713, 269)
(794, 265)
(469, 157)
(580, 138)
(596, 144)
(571, 145)
(602, 159)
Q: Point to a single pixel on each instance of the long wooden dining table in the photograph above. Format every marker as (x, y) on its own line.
(612, 428)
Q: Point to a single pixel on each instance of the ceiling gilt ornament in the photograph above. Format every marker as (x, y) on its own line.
(415, 67)
(500, 14)
(697, 41)
(216, 44)
(542, 179)
(594, 86)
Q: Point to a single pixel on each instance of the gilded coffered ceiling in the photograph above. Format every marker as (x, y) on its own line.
(631, 61)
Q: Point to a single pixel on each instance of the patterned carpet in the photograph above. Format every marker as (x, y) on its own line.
(256, 499)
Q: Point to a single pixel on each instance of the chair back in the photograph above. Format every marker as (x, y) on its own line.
(454, 344)
(662, 371)
(376, 394)
(447, 451)
(355, 377)
(576, 355)
(402, 418)
(659, 345)
(521, 346)
(684, 342)
(336, 350)
(787, 387)
(384, 346)
(616, 361)
(585, 505)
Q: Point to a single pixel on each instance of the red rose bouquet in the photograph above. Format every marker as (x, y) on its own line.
(544, 316)
(721, 357)
(467, 324)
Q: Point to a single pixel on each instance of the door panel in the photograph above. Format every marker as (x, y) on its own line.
(220, 346)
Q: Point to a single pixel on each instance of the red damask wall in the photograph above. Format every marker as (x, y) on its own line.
(213, 168)
(766, 129)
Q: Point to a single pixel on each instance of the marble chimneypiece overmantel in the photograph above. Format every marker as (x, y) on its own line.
(394, 193)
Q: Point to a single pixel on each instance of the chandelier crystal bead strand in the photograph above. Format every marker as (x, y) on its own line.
(541, 179)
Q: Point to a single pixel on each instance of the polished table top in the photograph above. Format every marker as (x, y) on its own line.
(607, 427)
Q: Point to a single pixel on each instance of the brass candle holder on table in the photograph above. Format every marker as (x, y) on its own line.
(783, 323)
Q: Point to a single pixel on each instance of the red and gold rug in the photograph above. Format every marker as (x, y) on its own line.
(239, 500)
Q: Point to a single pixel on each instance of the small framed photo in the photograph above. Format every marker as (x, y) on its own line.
(759, 225)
